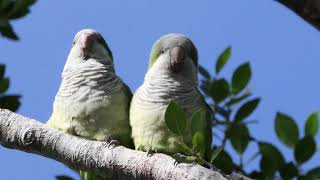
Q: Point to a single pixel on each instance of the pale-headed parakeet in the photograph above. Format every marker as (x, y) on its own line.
(92, 101)
(171, 76)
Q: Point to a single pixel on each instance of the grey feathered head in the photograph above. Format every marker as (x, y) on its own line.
(178, 46)
(86, 43)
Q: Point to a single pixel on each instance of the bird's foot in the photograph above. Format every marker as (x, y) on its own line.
(150, 152)
(179, 158)
(111, 142)
(211, 166)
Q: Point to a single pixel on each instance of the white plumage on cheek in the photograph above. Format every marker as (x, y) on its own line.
(161, 66)
(76, 56)
(100, 52)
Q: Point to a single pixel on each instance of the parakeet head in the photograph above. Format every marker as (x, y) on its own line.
(174, 54)
(87, 44)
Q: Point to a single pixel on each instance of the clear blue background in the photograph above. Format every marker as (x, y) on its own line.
(283, 51)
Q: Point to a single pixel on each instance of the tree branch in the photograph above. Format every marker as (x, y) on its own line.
(31, 136)
(309, 10)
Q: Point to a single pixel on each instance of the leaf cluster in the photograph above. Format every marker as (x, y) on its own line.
(233, 105)
(12, 10)
(11, 101)
(176, 121)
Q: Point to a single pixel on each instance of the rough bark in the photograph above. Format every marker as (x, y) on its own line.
(31, 136)
(309, 10)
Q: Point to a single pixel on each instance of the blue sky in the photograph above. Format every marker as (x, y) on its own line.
(283, 51)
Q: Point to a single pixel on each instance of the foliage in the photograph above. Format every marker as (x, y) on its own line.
(233, 104)
(12, 10)
(10, 101)
(175, 119)
(63, 177)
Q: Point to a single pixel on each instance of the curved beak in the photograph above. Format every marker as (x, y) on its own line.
(177, 56)
(86, 41)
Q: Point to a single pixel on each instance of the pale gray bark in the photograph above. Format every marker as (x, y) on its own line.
(31, 136)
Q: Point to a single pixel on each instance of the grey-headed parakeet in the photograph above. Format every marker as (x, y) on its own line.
(171, 76)
(92, 101)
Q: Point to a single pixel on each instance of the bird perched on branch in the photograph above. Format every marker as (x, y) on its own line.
(171, 76)
(92, 101)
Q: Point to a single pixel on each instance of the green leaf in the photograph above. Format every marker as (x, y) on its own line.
(219, 90)
(313, 174)
(205, 86)
(198, 121)
(21, 8)
(5, 7)
(224, 162)
(289, 171)
(204, 72)
(305, 149)
(4, 85)
(198, 142)
(286, 130)
(63, 177)
(10, 102)
(175, 118)
(312, 125)
(237, 100)
(215, 153)
(241, 78)
(7, 31)
(19, 13)
(246, 109)
(239, 136)
(223, 59)
(268, 168)
(270, 152)
(2, 70)
(12, 10)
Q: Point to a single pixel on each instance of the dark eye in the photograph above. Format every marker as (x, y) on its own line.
(162, 52)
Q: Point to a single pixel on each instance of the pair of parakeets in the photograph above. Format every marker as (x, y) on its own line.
(94, 103)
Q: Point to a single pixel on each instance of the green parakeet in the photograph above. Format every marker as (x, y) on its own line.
(92, 101)
(172, 75)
